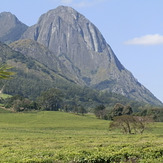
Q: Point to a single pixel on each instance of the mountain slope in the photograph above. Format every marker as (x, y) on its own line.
(31, 76)
(11, 28)
(43, 55)
(78, 43)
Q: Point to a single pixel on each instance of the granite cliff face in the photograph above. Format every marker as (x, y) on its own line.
(43, 55)
(11, 28)
(79, 45)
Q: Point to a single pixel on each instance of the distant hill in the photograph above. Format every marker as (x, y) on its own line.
(11, 28)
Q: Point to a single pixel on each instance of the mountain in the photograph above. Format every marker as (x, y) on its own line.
(11, 28)
(82, 49)
(43, 55)
(31, 77)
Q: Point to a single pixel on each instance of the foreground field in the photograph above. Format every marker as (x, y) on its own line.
(62, 137)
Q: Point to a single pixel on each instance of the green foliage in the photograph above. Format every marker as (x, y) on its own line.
(65, 137)
(18, 103)
(4, 96)
(74, 96)
(127, 110)
(120, 110)
(50, 100)
(108, 114)
(26, 85)
(130, 124)
(100, 111)
(82, 110)
(4, 73)
(155, 113)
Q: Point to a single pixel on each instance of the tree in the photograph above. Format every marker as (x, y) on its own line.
(120, 110)
(155, 113)
(142, 123)
(19, 103)
(127, 110)
(100, 111)
(82, 110)
(51, 99)
(130, 124)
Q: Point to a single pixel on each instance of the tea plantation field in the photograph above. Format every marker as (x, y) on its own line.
(64, 137)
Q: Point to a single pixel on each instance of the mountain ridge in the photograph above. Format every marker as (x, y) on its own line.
(83, 51)
(70, 35)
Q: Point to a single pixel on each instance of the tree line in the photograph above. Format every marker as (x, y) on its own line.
(81, 101)
(71, 100)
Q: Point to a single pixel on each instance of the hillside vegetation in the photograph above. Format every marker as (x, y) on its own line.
(32, 78)
(65, 137)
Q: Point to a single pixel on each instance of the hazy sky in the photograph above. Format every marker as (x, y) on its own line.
(133, 28)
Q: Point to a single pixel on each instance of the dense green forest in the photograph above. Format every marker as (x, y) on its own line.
(82, 100)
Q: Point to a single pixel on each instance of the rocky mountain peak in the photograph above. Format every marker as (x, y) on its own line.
(67, 20)
(66, 11)
(9, 16)
(8, 20)
(80, 46)
(11, 28)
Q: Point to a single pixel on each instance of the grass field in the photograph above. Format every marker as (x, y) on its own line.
(64, 137)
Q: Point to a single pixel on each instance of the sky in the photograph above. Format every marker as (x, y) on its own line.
(133, 28)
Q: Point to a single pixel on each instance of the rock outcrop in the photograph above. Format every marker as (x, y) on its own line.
(11, 28)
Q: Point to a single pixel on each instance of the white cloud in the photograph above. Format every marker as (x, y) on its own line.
(146, 40)
(81, 3)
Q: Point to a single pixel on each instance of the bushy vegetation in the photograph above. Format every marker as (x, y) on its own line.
(130, 124)
(65, 137)
(69, 97)
(80, 101)
(151, 112)
(155, 112)
(19, 104)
